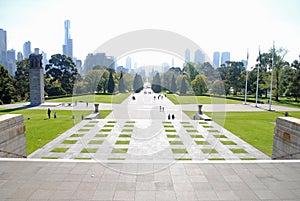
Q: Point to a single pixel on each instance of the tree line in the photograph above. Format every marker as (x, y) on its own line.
(62, 78)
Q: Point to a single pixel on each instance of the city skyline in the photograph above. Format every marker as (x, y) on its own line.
(226, 26)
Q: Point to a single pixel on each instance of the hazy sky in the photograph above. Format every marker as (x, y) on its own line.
(215, 25)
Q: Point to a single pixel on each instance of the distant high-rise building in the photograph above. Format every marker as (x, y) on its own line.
(128, 63)
(11, 62)
(19, 56)
(225, 57)
(172, 62)
(44, 60)
(101, 59)
(78, 65)
(36, 50)
(187, 56)
(199, 57)
(3, 47)
(68, 46)
(26, 49)
(216, 59)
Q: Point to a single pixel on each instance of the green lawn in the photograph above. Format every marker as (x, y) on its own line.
(200, 100)
(98, 98)
(40, 130)
(256, 128)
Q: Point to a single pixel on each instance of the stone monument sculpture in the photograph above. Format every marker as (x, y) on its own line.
(36, 79)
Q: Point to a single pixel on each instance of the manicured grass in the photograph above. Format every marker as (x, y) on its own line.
(122, 142)
(130, 122)
(69, 141)
(207, 126)
(200, 100)
(98, 98)
(228, 142)
(200, 122)
(119, 150)
(248, 159)
(216, 159)
(112, 122)
(256, 128)
(209, 151)
(170, 130)
(175, 143)
(89, 150)
(83, 130)
(101, 135)
(185, 122)
(179, 151)
(94, 122)
(130, 125)
(196, 136)
(202, 142)
(105, 130)
(191, 131)
(49, 157)
(168, 126)
(173, 136)
(213, 131)
(77, 135)
(40, 130)
(238, 151)
(109, 125)
(188, 126)
(79, 158)
(125, 135)
(183, 159)
(167, 122)
(220, 136)
(89, 125)
(59, 149)
(96, 142)
(127, 130)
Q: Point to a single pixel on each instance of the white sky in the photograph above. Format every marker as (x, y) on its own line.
(215, 25)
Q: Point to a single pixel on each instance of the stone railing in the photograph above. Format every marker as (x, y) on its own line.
(286, 138)
(12, 136)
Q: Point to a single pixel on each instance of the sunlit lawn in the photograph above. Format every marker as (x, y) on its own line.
(200, 100)
(256, 128)
(99, 98)
(40, 130)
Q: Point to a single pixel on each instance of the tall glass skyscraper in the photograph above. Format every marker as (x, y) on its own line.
(3, 47)
(216, 59)
(187, 56)
(225, 57)
(27, 49)
(68, 46)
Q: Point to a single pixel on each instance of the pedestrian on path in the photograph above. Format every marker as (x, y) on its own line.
(173, 116)
(169, 117)
(54, 115)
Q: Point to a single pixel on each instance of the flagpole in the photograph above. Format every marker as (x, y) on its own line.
(246, 77)
(270, 102)
(256, 94)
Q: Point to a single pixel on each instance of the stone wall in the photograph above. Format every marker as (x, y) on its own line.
(286, 138)
(12, 136)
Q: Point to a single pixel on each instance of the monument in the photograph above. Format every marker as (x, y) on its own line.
(36, 79)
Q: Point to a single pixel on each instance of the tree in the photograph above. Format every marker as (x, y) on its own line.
(138, 84)
(7, 90)
(121, 84)
(62, 69)
(218, 88)
(294, 86)
(111, 84)
(22, 78)
(92, 79)
(199, 85)
(190, 69)
(173, 84)
(103, 82)
(183, 87)
(156, 84)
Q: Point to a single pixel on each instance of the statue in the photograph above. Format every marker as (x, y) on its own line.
(36, 61)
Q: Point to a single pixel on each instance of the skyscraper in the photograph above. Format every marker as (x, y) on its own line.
(3, 47)
(68, 46)
(225, 57)
(27, 49)
(216, 59)
(128, 63)
(199, 57)
(11, 62)
(187, 56)
(19, 56)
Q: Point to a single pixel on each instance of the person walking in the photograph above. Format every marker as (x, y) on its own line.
(49, 113)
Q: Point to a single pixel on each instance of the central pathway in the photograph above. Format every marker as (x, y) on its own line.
(140, 129)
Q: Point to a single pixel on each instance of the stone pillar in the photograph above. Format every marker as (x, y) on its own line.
(96, 108)
(36, 79)
(200, 109)
(12, 136)
(286, 138)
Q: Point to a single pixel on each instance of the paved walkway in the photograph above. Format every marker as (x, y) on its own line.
(81, 181)
(139, 129)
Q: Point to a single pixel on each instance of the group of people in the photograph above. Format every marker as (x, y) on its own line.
(49, 114)
(171, 116)
(159, 97)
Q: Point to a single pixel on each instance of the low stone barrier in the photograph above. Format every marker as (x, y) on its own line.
(286, 138)
(12, 136)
